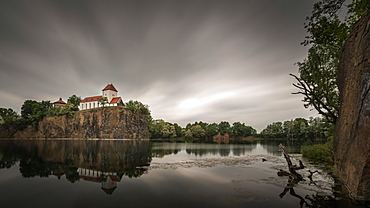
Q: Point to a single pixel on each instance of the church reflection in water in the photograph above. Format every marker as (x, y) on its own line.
(108, 180)
(104, 162)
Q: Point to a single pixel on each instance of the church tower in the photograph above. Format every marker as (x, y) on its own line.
(110, 92)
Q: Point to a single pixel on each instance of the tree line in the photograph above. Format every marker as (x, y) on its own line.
(299, 129)
(160, 129)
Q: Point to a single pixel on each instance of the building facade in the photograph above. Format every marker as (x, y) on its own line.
(110, 92)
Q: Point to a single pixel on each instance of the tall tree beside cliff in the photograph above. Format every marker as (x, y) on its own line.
(33, 112)
(137, 106)
(318, 72)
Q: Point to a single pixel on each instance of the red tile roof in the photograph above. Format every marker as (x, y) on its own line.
(91, 99)
(60, 101)
(114, 178)
(115, 100)
(110, 87)
(90, 178)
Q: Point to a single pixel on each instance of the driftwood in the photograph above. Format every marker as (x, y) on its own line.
(294, 177)
(292, 168)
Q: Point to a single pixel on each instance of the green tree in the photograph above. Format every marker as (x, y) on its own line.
(198, 131)
(160, 129)
(33, 112)
(318, 72)
(103, 101)
(27, 108)
(178, 130)
(241, 130)
(187, 133)
(168, 131)
(224, 127)
(9, 120)
(212, 129)
(155, 129)
(75, 101)
(273, 130)
(68, 109)
(137, 106)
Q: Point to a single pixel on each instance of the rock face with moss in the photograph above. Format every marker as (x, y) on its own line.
(102, 123)
(352, 136)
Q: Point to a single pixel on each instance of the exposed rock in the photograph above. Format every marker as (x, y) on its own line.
(352, 135)
(102, 123)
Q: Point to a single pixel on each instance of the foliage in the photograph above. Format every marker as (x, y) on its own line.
(138, 106)
(68, 109)
(9, 117)
(75, 101)
(241, 130)
(318, 72)
(103, 101)
(159, 129)
(299, 128)
(198, 131)
(224, 127)
(33, 112)
(319, 152)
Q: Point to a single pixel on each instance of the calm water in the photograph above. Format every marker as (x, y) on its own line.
(145, 174)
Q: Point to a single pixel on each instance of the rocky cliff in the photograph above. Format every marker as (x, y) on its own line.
(102, 123)
(352, 135)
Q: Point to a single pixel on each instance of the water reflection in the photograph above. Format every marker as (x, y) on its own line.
(102, 162)
(207, 175)
(108, 160)
(289, 187)
(108, 180)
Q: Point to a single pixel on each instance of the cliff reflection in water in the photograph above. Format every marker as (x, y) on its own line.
(96, 161)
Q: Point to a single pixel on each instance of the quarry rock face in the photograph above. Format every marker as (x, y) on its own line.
(352, 134)
(101, 123)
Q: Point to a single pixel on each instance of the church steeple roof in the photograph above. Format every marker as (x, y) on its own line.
(110, 87)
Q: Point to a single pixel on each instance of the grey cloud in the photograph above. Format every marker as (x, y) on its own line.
(232, 57)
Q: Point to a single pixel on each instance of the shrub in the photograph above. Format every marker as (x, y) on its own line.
(319, 152)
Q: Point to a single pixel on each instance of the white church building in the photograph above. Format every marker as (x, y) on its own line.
(109, 92)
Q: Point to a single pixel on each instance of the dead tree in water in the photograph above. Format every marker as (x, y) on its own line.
(292, 168)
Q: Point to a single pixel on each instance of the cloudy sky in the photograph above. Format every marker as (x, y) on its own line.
(189, 60)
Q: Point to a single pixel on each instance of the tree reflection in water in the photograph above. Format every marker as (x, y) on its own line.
(103, 162)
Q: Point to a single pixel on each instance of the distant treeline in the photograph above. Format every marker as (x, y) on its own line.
(299, 128)
(160, 129)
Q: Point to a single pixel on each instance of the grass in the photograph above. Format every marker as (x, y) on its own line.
(319, 152)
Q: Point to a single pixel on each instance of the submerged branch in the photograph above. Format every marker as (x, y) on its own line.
(292, 168)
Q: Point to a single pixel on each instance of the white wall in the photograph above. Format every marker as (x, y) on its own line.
(109, 94)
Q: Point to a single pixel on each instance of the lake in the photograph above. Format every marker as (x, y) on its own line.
(150, 174)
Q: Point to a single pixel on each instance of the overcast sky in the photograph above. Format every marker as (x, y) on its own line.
(190, 60)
